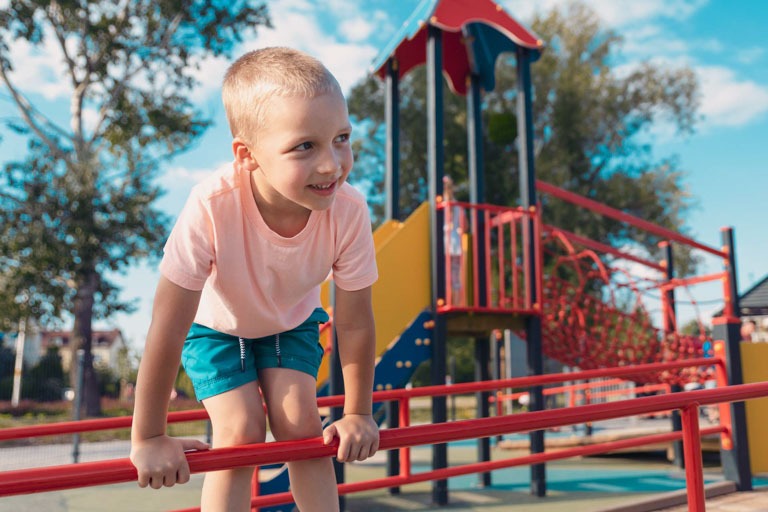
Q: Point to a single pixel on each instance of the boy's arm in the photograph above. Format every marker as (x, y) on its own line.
(159, 459)
(353, 318)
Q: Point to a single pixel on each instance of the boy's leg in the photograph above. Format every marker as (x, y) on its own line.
(237, 417)
(291, 401)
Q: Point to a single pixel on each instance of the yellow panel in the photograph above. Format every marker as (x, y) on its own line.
(385, 231)
(754, 361)
(403, 288)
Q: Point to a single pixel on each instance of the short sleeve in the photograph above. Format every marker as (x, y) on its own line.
(189, 252)
(355, 265)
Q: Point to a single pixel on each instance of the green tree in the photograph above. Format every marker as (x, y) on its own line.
(46, 379)
(591, 128)
(80, 206)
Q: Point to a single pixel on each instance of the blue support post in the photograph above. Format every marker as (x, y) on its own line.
(392, 177)
(528, 201)
(477, 195)
(436, 164)
(735, 461)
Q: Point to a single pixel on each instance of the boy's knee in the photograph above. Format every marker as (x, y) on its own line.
(239, 430)
(306, 425)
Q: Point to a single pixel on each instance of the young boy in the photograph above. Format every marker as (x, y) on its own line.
(238, 299)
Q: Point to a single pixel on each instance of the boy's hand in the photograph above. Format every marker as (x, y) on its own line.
(160, 461)
(358, 437)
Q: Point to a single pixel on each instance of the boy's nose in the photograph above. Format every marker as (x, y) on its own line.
(331, 163)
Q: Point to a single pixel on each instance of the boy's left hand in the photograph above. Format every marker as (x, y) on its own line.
(358, 437)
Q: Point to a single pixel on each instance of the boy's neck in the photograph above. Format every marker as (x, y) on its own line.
(286, 222)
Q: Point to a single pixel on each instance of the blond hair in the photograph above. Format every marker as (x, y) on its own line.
(262, 74)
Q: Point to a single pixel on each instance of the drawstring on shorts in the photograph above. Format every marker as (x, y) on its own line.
(241, 342)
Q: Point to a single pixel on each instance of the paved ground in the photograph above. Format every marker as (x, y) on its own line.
(755, 501)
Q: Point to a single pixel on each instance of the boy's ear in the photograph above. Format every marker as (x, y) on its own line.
(243, 154)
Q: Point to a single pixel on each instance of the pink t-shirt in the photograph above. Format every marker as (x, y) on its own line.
(255, 282)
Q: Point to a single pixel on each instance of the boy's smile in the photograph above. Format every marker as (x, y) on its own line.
(300, 158)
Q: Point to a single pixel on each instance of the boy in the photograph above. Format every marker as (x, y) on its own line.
(238, 298)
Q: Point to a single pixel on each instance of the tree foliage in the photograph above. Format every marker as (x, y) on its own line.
(80, 206)
(592, 128)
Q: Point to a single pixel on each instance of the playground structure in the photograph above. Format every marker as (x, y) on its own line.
(511, 272)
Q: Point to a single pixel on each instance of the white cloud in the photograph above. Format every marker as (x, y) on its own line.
(356, 30)
(40, 70)
(300, 28)
(184, 177)
(750, 55)
(209, 75)
(728, 100)
(615, 14)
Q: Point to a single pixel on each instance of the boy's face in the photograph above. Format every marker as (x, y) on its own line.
(302, 153)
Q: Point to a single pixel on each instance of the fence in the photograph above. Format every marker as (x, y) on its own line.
(121, 470)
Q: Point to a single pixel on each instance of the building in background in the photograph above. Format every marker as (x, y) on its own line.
(753, 309)
(106, 347)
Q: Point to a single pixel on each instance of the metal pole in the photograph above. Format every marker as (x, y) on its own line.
(19, 363)
(393, 458)
(452, 380)
(477, 181)
(482, 357)
(528, 200)
(436, 162)
(670, 323)
(735, 461)
(336, 388)
(392, 177)
(78, 403)
(694, 476)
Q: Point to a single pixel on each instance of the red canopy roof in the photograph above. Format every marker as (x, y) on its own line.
(454, 17)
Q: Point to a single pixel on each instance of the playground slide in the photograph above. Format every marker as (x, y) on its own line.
(400, 300)
(403, 289)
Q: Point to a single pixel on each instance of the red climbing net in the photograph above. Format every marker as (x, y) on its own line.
(594, 316)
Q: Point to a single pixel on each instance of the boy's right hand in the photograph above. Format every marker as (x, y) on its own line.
(160, 461)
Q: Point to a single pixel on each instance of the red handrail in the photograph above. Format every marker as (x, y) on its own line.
(121, 470)
(71, 427)
(481, 467)
(613, 213)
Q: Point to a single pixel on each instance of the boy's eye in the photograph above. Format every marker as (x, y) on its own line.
(344, 137)
(304, 146)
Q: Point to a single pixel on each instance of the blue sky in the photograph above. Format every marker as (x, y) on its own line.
(726, 160)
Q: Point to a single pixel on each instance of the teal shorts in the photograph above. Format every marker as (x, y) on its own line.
(216, 362)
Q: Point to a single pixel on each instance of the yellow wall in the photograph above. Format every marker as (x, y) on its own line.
(754, 361)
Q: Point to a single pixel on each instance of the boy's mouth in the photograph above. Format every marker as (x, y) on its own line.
(323, 187)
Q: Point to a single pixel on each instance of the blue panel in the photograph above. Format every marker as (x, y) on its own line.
(410, 27)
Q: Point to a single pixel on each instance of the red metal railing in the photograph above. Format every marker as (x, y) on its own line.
(98, 473)
(62, 477)
(498, 235)
(613, 213)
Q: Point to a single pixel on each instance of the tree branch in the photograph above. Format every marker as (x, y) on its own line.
(27, 112)
(56, 24)
(103, 111)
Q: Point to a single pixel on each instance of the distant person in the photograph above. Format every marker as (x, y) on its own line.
(748, 330)
(238, 299)
(453, 231)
